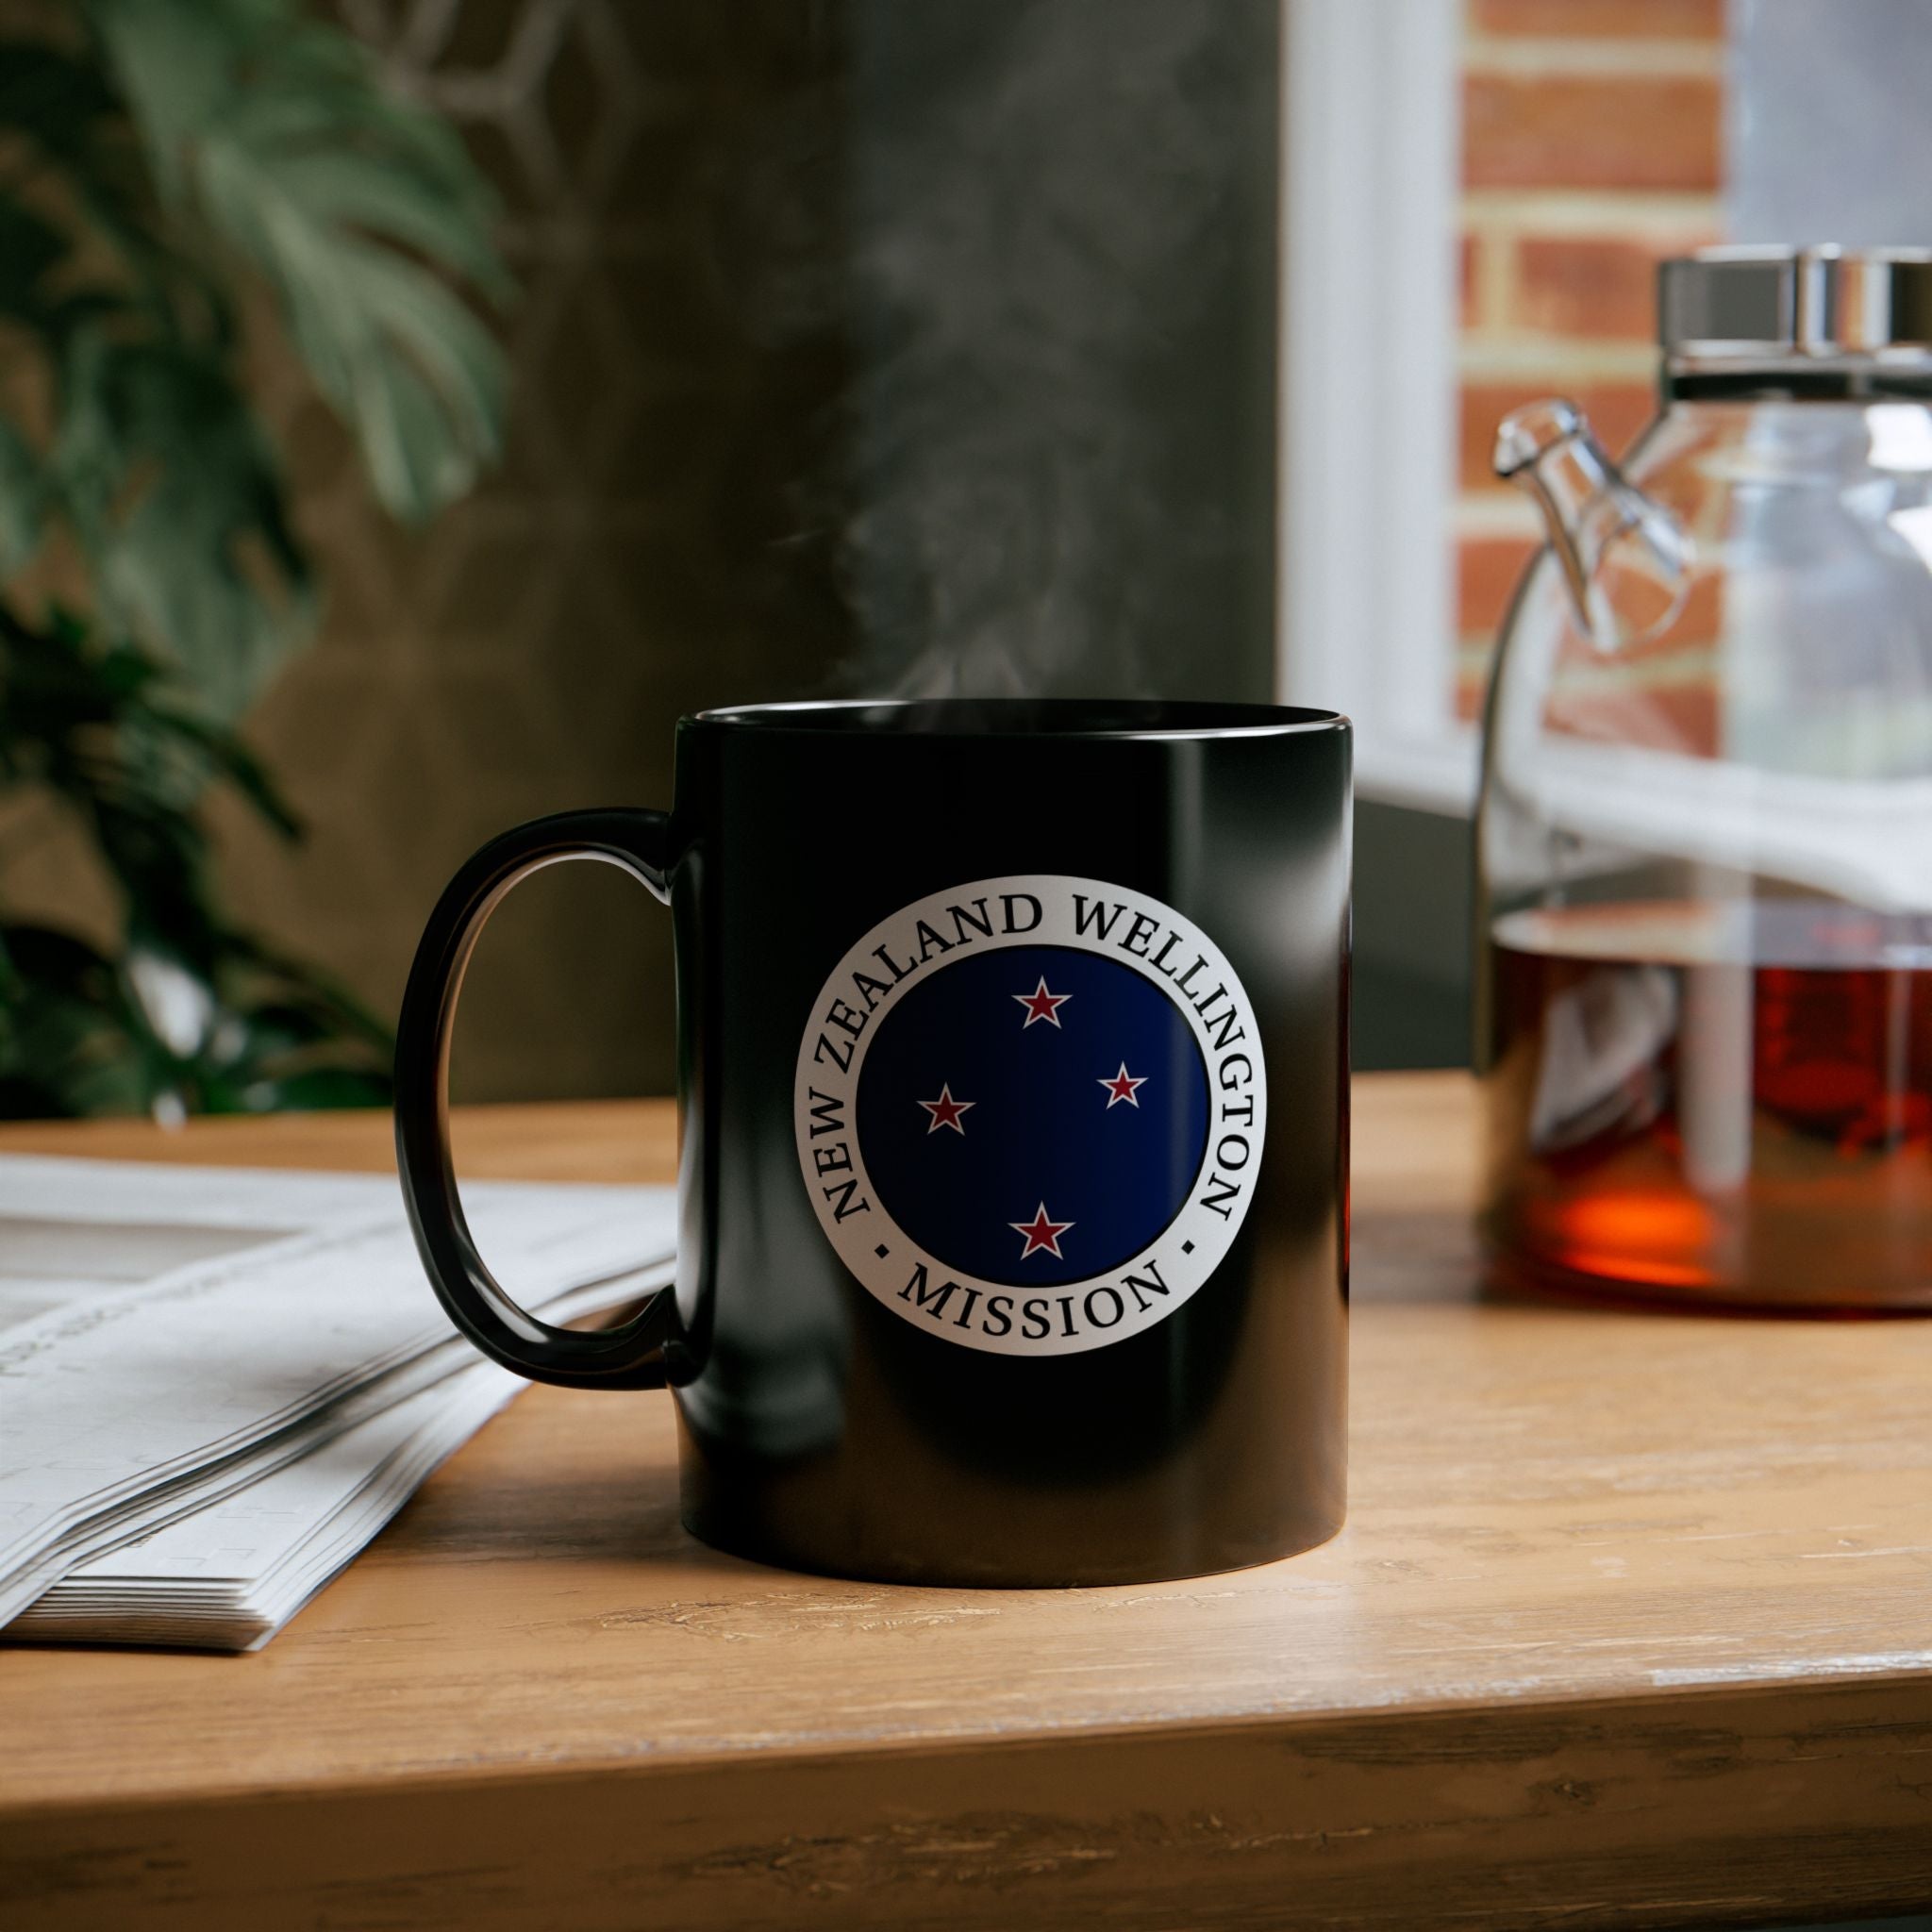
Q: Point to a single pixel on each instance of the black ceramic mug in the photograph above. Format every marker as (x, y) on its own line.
(1013, 1070)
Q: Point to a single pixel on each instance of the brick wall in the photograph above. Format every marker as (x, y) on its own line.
(1592, 147)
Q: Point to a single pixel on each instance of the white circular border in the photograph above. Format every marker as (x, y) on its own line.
(1236, 1113)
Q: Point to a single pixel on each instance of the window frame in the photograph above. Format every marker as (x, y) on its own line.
(1370, 308)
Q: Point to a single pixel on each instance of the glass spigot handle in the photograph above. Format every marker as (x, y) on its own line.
(1626, 560)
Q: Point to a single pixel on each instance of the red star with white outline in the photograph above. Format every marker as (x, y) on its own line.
(1042, 1232)
(945, 1111)
(1041, 1005)
(1121, 1087)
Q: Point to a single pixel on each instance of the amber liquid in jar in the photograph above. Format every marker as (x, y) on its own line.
(1713, 1103)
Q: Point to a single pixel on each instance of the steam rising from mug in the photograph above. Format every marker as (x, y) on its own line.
(1055, 451)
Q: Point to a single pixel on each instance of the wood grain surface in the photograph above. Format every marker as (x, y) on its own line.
(1630, 1626)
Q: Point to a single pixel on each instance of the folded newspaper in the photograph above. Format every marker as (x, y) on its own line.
(217, 1385)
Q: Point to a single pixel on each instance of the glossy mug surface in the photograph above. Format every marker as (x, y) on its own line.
(1013, 1175)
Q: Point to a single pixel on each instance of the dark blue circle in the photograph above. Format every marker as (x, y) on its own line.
(1039, 1129)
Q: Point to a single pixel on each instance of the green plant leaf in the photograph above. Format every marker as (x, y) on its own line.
(30, 248)
(65, 1047)
(23, 500)
(157, 150)
(313, 1089)
(353, 202)
(229, 759)
(177, 504)
(73, 130)
(174, 63)
(52, 96)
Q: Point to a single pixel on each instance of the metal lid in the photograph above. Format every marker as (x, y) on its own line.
(1759, 304)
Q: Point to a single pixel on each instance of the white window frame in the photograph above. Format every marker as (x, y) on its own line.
(1370, 161)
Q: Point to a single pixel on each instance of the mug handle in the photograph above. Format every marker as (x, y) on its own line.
(629, 1357)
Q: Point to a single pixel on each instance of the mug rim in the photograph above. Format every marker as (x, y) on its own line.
(1025, 718)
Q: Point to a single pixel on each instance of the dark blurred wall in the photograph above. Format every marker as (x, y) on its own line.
(1413, 892)
(1064, 262)
(867, 344)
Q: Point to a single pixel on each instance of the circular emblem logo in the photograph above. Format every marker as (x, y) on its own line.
(1031, 1111)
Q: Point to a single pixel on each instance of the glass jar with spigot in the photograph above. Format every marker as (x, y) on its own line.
(1704, 837)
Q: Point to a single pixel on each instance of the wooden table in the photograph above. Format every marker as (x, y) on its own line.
(1631, 1625)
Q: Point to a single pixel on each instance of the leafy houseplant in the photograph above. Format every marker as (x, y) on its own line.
(169, 171)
